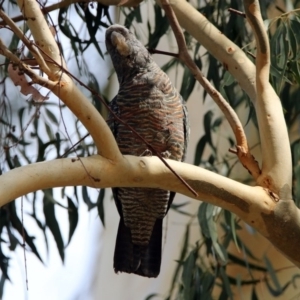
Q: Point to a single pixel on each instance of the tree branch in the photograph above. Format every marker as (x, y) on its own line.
(217, 44)
(132, 171)
(65, 3)
(65, 89)
(243, 151)
(276, 154)
(52, 86)
(254, 205)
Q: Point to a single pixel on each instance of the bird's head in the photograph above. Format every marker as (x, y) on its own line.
(127, 53)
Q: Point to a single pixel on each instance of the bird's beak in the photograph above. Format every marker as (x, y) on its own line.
(119, 41)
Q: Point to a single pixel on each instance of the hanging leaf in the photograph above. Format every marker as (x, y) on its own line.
(183, 253)
(87, 199)
(2, 281)
(273, 276)
(188, 83)
(207, 127)
(51, 222)
(161, 27)
(226, 285)
(100, 206)
(228, 79)
(188, 274)
(51, 116)
(233, 231)
(134, 15)
(199, 150)
(73, 218)
(49, 131)
(4, 265)
(209, 229)
(244, 263)
(207, 283)
(169, 65)
(17, 224)
(176, 207)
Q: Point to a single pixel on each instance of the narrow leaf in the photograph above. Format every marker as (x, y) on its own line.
(52, 224)
(226, 284)
(17, 224)
(86, 198)
(100, 206)
(188, 275)
(199, 150)
(272, 273)
(188, 83)
(73, 217)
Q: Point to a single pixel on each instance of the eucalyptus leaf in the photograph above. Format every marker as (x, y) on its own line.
(100, 206)
(73, 217)
(52, 223)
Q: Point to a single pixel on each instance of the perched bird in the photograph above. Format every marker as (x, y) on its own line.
(150, 104)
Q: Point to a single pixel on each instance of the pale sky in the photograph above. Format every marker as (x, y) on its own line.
(55, 280)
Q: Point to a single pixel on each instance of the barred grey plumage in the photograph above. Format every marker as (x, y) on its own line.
(149, 103)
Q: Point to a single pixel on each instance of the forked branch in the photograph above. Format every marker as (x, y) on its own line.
(20, 34)
(243, 151)
(63, 86)
(217, 44)
(276, 155)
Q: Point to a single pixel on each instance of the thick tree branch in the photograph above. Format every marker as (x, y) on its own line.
(255, 205)
(243, 151)
(276, 154)
(133, 171)
(243, 70)
(42, 35)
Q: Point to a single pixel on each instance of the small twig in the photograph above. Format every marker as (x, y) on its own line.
(155, 51)
(20, 34)
(280, 9)
(232, 150)
(34, 116)
(237, 12)
(27, 70)
(73, 146)
(242, 148)
(251, 54)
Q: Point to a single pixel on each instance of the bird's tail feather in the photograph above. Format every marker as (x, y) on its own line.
(141, 260)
